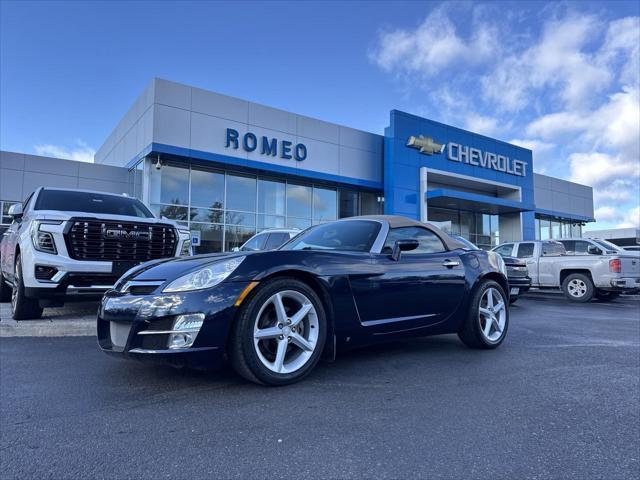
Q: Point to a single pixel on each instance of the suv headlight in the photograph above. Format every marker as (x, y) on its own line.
(205, 277)
(43, 241)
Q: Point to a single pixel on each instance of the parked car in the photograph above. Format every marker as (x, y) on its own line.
(587, 271)
(66, 244)
(342, 284)
(268, 239)
(517, 273)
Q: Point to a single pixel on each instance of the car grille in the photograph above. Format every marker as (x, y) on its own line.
(108, 241)
(517, 271)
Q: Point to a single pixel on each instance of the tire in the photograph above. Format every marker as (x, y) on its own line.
(476, 331)
(23, 307)
(605, 296)
(5, 290)
(269, 358)
(578, 287)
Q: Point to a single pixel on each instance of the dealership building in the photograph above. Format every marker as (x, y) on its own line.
(228, 167)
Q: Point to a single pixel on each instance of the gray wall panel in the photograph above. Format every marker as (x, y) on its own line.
(11, 184)
(12, 160)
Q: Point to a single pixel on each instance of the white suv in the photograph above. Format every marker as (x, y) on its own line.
(66, 243)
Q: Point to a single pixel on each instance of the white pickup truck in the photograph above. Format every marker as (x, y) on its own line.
(582, 268)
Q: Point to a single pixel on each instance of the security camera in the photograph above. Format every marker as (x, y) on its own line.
(158, 164)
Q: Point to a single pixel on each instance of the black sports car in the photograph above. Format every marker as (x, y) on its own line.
(274, 314)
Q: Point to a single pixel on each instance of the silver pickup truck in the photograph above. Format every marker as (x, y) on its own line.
(582, 268)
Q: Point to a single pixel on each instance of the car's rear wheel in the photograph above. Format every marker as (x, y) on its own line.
(578, 287)
(23, 307)
(279, 334)
(488, 318)
(5, 290)
(605, 296)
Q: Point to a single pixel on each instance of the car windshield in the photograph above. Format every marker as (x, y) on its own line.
(89, 202)
(465, 242)
(608, 246)
(344, 235)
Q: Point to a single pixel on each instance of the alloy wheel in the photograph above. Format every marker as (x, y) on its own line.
(577, 288)
(492, 314)
(285, 332)
(14, 292)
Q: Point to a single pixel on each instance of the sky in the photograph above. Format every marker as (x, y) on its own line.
(561, 78)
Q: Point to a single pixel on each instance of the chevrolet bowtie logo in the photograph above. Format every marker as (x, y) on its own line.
(426, 145)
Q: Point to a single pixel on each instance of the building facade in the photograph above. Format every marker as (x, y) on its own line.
(227, 168)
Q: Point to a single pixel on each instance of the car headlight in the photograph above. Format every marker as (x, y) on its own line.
(205, 277)
(43, 241)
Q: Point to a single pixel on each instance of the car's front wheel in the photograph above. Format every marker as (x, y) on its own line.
(279, 334)
(23, 307)
(488, 318)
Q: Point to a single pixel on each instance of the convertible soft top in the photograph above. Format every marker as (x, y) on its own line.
(396, 221)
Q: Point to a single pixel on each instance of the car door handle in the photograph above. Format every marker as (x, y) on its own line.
(450, 263)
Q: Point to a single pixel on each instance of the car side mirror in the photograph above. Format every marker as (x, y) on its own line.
(15, 211)
(403, 246)
(593, 250)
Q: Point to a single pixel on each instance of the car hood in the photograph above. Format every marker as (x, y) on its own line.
(57, 215)
(172, 268)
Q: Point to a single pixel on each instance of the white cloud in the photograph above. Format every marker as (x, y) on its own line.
(606, 214)
(631, 219)
(484, 125)
(600, 169)
(543, 152)
(81, 152)
(434, 46)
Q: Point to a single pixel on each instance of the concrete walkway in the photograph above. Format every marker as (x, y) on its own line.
(74, 319)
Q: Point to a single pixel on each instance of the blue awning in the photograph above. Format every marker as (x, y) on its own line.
(474, 202)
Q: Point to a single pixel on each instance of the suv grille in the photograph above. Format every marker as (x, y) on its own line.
(107, 241)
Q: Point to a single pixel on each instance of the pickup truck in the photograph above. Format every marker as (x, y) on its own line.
(66, 244)
(582, 271)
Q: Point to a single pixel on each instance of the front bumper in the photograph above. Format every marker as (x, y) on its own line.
(122, 317)
(523, 284)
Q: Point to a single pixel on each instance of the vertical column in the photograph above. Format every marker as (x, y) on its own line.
(423, 194)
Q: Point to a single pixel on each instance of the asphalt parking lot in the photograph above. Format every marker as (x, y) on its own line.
(560, 399)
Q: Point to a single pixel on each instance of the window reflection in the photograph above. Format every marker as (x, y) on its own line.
(324, 204)
(210, 237)
(271, 197)
(298, 201)
(207, 189)
(169, 185)
(270, 221)
(241, 193)
(235, 236)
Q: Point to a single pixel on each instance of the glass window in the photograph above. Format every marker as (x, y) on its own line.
(525, 250)
(207, 189)
(136, 176)
(545, 229)
(428, 241)
(210, 238)
(270, 221)
(324, 204)
(206, 215)
(350, 235)
(241, 193)
(87, 202)
(298, 201)
(172, 212)
(299, 223)
(569, 246)
(369, 204)
(271, 197)
(275, 240)
(537, 228)
(505, 250)
(550, 249)
(581, 247)
(235, 236)
(256, 243)
(348, 203)
(555, 230)
(169, 185)
(241, 218)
